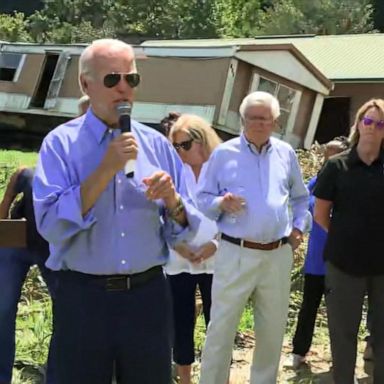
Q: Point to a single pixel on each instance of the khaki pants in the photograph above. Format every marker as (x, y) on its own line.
(240, 274)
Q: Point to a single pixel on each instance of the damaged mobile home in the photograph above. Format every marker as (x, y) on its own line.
(39, 86)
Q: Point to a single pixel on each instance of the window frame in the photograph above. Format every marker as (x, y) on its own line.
(18, 68)
(292, 112)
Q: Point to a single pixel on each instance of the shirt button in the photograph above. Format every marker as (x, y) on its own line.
(123, 261)
(121, 207)
(122, 234)
(119, 181)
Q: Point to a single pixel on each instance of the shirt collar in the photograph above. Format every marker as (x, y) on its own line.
(98, 128)
(354, 158)
(247, 145)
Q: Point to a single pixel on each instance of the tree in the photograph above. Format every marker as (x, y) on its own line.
(72, 21)
(63, 20)
(236, 18)
(24, 6)
(323, 17)
(13, 27)
(378, 14)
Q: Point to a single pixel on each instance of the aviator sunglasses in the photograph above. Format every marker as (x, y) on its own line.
(186, 145)
(379, 124)
(114, 78)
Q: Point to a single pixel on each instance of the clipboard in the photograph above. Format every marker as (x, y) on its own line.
(13, 233)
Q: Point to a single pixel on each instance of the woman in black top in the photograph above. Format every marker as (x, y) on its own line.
(349, 205)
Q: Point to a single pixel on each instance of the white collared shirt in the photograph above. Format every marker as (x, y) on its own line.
(207, 231)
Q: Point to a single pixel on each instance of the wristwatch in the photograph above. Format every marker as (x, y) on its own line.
(174, 212)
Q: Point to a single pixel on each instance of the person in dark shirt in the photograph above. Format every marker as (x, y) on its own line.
(351, 187)
(314, 271)
(167, 122)
(15, 264)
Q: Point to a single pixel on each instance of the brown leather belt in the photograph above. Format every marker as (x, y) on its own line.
(253, 245)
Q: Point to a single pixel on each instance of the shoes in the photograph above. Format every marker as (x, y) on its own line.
(297, 360)
(368, 353)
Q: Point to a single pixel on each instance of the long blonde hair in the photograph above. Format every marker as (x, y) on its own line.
(373, 103)
(197, 129)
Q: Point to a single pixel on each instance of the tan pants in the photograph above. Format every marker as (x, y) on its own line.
(240, 274)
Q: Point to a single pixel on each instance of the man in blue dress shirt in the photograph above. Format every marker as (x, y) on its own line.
(108, 234)
(254, 189)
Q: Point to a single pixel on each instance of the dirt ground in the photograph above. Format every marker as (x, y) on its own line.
(317, 371)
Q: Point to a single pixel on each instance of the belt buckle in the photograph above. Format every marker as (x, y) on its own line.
(128, 281)
(241, 243)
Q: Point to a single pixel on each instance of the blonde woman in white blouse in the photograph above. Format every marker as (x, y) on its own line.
(191, 264)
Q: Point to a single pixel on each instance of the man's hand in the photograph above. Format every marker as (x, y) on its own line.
(205, 252)
(184, 251)
(295, 238)
(160, 186)
(231, 203)
(120, 150)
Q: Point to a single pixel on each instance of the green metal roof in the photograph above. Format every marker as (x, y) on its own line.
(339, 57)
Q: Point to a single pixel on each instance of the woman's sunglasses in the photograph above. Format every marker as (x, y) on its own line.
(112, 79)
(186, 145)
(379, 124)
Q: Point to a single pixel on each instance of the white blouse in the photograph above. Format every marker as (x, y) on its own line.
(207, 231)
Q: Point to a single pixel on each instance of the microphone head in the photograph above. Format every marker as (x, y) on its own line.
(124, 108)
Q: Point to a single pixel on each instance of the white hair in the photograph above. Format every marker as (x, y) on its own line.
(260, 98)
(86, 57)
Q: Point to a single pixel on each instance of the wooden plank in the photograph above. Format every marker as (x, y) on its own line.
(13, 233)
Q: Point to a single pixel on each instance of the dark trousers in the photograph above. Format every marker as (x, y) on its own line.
(14, 266)
(98, 329)
(313, 292)
(344, 295)
(183, 288)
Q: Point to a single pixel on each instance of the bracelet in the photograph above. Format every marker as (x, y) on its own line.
(216, 243)
(174, 212)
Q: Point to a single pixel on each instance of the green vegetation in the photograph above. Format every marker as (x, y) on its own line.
(10, 161)
(75, 21)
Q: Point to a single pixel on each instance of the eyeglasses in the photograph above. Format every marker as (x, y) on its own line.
(114, 78)
(259, 119)
(186, 145)
(379, 124)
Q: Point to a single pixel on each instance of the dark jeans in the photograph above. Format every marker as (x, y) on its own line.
(344, 295)
(14, 266)
(183, 288)
(97, 329)
(313, 292)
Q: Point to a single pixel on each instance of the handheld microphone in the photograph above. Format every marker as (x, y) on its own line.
(124, 112)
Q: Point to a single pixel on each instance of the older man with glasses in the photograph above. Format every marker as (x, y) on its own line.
(108, 233)
(253, 188)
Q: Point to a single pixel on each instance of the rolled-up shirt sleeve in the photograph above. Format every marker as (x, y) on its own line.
(299, 197)
(57, 200)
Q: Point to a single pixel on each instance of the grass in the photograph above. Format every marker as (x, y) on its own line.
(10, 160)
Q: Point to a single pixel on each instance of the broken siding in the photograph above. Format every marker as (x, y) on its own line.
(182, 80)
(70, 86)
(28, 77)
